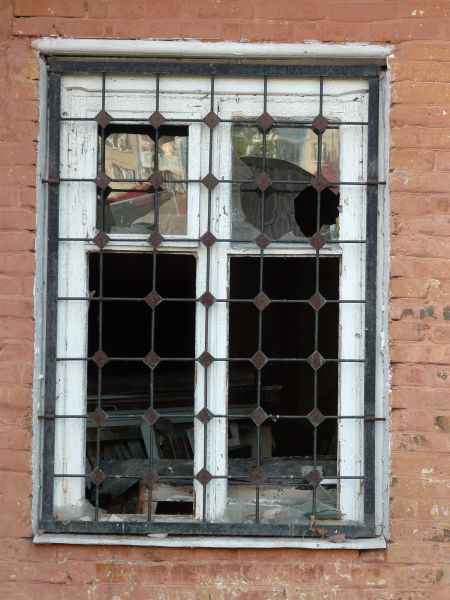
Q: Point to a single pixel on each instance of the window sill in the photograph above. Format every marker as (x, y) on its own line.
(209, 542)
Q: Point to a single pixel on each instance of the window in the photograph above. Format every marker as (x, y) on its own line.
(211, 299)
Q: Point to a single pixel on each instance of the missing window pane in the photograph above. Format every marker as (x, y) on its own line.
(140, 401)
(294, 430)
(146, 192)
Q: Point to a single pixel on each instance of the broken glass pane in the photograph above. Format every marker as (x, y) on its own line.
(289, 209)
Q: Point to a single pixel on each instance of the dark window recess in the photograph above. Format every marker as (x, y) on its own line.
(287, 388)
(131, 382)
(294, 435)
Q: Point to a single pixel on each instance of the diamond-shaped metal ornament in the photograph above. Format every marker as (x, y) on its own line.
(314, 477)
(208, 239)
(261, 301)
(207, 299)
(263, 181)
(317, 241)
(153, 299)
(315, 417)
(204, 415)
(101, 239)
(257, 476)
(151, 359)
(151, 416)
(155, 239)
(259, 359)
(210, 181)
(317, 301)
(156, 119)
(103, 118)
(258, 416)
(320, 183)
(156, 179)
(264, 121)
(205, 359)
(262, 241)
(315, 360)
(319, 124)
(99, 416)
(102, 181)
(203, 476)
(211, 119)
(150, 477)
(100, 358)
(97, 476)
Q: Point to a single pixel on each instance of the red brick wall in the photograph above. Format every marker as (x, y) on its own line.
(416, 564)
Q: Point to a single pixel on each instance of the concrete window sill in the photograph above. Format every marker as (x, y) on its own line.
(209, 542)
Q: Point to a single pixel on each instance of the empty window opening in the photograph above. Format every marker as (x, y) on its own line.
(290, 390)
(144, 351)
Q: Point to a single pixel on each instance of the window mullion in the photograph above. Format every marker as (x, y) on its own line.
(220, 222)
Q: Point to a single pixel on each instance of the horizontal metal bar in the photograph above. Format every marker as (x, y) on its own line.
(354, 530)
(290, 480)
(170, 242)
(225, 300)
(111, 416)
(191, 359)
(276, 123)
(219, 181)
(209, 68)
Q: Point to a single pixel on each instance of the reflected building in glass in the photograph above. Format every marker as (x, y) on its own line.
(133, 203)
(291, 162)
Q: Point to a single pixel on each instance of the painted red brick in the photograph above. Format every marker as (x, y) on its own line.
(56, 8)
(415, 565)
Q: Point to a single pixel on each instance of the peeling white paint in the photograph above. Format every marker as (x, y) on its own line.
(196, 48)
(209, 542)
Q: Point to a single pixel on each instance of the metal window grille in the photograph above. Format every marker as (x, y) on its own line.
(255, 478)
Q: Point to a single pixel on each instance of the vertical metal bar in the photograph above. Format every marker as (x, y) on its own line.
(208, 279)
(260, 316)
(54, 105)
(317, 290)
(151, 430)
(370, 307)
(100, 305)
(156, 160)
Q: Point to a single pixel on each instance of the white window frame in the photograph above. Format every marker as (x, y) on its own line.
(73, 375)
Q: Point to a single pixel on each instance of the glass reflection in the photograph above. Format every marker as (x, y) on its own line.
(289, 210)
(134, 206)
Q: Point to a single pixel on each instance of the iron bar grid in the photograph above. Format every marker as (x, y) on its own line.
(368, 182)
(202, 525)
(231, 416)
